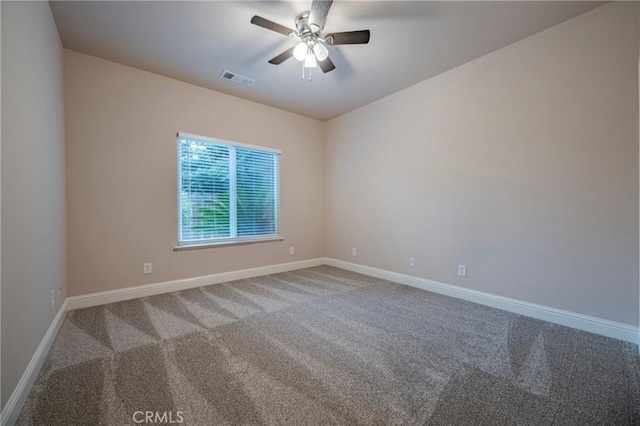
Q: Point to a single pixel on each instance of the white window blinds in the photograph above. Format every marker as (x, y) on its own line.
(226, 191)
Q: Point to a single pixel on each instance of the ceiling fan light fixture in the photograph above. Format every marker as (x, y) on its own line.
(300, 51)
(320, 51)
(310, 60)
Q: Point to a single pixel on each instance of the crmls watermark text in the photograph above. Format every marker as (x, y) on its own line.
(151, 417)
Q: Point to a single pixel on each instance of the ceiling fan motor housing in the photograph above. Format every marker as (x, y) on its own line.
(306, 32)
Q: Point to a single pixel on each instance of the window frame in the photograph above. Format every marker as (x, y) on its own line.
(228, 241)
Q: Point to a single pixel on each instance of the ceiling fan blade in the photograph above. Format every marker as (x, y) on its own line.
(348, 37)
(318, 13)
(282, 57)
(270, 25)
(326, 65)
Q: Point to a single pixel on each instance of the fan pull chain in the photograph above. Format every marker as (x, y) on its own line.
(303, 76)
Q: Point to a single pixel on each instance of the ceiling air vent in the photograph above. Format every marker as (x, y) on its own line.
(237, 78)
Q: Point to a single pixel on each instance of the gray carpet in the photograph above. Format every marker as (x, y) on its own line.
(327, 346)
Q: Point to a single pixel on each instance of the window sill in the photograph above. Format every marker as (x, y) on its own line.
(225, 243)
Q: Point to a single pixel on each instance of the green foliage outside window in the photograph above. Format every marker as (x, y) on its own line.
(205, 191)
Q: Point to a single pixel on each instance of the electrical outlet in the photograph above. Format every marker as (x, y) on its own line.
(53, 298)
(292, 250)
(462, 270)
(412, 262)
(354, 252)
(147, 268)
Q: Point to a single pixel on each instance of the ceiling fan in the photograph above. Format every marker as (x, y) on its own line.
(311, 48)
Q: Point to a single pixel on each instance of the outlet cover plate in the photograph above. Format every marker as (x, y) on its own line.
(462, 270)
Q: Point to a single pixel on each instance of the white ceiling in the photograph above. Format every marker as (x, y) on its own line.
(195, 41)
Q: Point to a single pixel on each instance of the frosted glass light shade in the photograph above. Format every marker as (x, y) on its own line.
(310, 61)
(321, 51)
(300, 51)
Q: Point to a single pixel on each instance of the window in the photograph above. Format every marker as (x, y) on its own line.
(227, 192)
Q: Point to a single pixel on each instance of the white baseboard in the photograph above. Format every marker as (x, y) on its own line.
(570, 319)
(591, 324)
(17, 399)
(112, 296)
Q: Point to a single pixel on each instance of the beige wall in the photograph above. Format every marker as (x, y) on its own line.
(121, 175)
(522, 164)
(33, 190)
